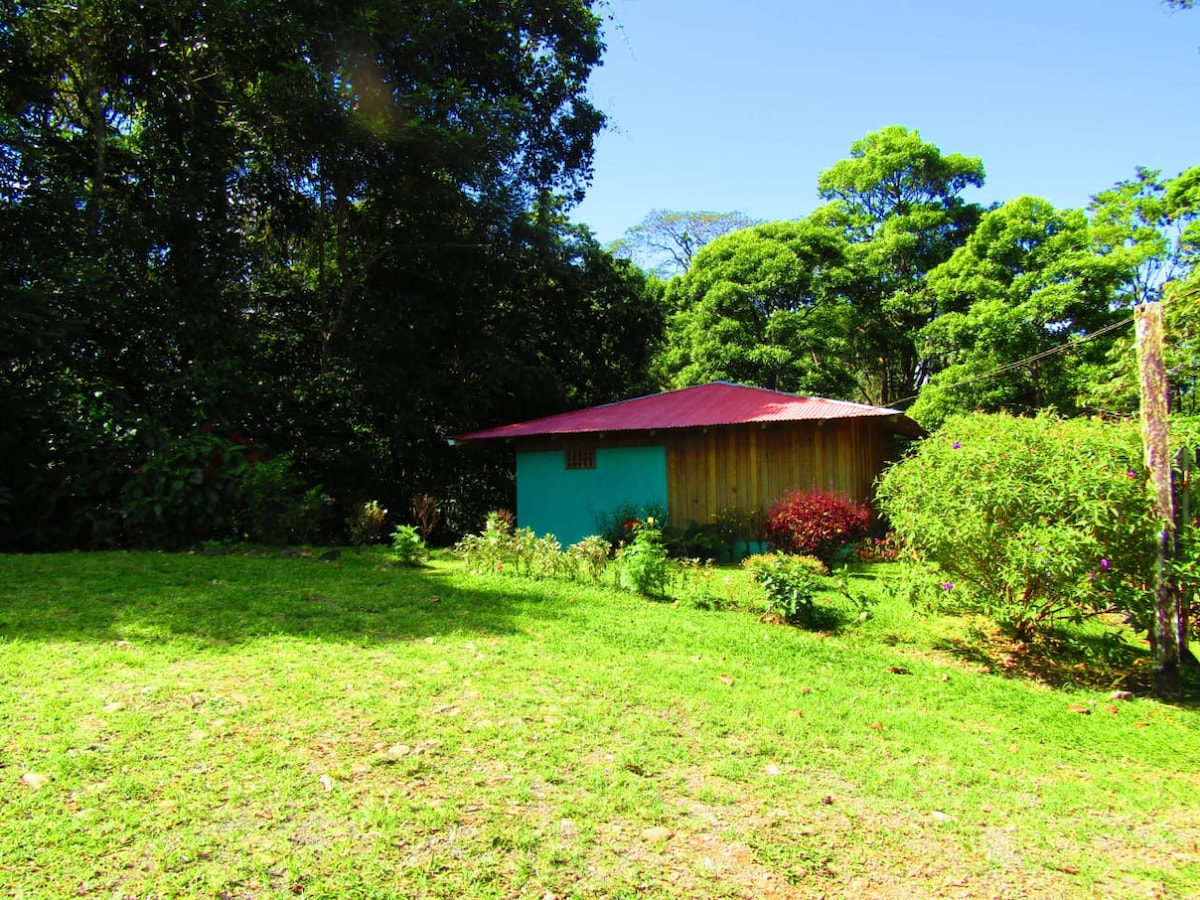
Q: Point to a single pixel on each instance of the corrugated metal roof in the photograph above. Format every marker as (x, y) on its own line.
(717, 403)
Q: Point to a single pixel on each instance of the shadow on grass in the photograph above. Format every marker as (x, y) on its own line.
(229, 599)
(1094, 660)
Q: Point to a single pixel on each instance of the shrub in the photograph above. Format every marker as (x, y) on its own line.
(427, 514)
(790, 584)
(506, 549)
(643, 561)
(408, 546)
(616, 525)
(547, 558)
(1029, 519)
(591, 557)
(277, 506)
(366, 523)
(816, 523)
(186, 491)
(489, 550)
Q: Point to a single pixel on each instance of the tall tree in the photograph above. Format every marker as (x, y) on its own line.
(761, 307)
(898, 201)
(1150, 229)
(1026, 285)
(218, 211)
(666, 241)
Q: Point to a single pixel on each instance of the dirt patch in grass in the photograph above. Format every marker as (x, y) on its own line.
(834, 848)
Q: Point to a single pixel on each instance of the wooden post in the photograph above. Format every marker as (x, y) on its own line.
(1149, 326)
(1183, 520)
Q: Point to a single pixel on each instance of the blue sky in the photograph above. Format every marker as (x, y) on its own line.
(727, 106)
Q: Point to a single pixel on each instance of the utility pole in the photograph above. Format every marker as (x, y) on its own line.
(1148, 321)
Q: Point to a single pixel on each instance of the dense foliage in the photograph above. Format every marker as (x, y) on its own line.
(262, 260)
(791, 584)
(900, 290)
(816, 522)
(337, 228)
(759, 307)
(1030, 519)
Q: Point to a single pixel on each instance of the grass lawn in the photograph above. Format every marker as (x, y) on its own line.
(252, 726)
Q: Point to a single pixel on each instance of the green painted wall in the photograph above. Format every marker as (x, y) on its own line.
(552, 499)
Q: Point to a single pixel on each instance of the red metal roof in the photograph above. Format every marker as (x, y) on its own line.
(718, 403)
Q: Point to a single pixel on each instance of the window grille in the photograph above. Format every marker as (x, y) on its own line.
(581, 459)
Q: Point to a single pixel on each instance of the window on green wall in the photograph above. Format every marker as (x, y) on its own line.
(581, 459)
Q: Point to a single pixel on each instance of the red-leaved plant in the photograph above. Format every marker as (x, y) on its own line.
(816, 522)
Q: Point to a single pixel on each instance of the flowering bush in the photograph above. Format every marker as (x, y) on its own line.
(816, 523)
(617, 524)
(1029, 519)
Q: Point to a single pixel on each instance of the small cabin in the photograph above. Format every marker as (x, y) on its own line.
(702, 454)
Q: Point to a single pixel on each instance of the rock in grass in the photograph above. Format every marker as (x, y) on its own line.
(34, 780)
(656, 834)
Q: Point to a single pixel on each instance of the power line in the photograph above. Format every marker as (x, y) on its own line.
(1061, 348)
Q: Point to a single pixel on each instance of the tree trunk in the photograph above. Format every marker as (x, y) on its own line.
(1149, 324)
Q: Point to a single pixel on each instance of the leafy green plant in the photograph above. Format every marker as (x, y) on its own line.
(277, 507)
(408, 546)
(186, 491)
(489, 550)
(1029, 519)
(591, 556)
(506, 549)
(616, 525)
(366, 523)
(547, 557)
(643, 561)
(695, 541)
(816, 522)
(791, 584)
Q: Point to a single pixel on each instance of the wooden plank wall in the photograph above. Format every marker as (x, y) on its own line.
(749, 467)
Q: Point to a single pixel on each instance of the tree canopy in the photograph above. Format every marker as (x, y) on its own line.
(760, 306)
(666, 241)
(898, 201)
(899, 291)
(337, 230)
(254, 250)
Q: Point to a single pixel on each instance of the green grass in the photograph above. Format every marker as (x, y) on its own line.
(253, 726)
